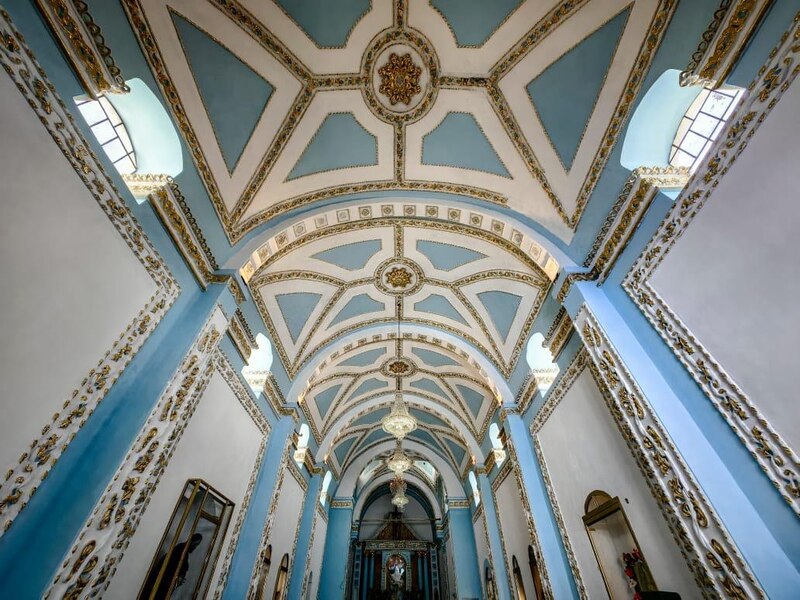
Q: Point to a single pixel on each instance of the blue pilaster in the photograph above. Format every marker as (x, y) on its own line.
(244, 559)
(495, 542)
(555, 556)
(337, 546)
(773, 560)
(466, 579)
(32, 549)
(303, 549)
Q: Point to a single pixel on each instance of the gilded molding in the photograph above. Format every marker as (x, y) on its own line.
(82, 41)
(35, 462)
(733, 24)
(458, 503)
(709, 552)
(773, 454)
(99, 548)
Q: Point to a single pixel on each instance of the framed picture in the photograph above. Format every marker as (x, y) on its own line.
(184, 562)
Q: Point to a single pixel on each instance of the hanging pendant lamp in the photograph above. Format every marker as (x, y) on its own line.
(399, 421)
(399, 462)
(398, 489)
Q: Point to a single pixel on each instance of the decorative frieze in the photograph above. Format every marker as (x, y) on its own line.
(713, 558)
(91, 563)
(721, 44)
(342, 503)
(82, 41)
(776, 458)
(35, 462)
(141, 185)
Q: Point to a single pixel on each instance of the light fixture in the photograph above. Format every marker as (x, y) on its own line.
(398, 488)
(399, 462)
(400, 500)
(399, 421)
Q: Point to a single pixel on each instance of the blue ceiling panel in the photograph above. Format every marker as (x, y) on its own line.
(565, 93)
(433, 359)
(447, 257)
(324, 399)
(296, 308)
(340, 142)
(361, 304)
(502, 308)
(439, 305)
(458, 141)
(473, 399)
(474, 21)
(363, 359)
(342, 449)
(350, 256)
(233, 94)
(327, 22)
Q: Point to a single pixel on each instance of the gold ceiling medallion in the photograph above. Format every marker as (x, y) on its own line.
(398, 367)
(402, 71)
(398, 277)
(400, 79)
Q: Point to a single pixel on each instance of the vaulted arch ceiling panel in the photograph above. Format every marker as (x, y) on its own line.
(455, 391)
(457, 80)
(452, 278)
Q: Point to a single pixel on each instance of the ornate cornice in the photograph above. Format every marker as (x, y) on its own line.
(770, 450)
(559, 333)
(36, 460)
(172, 209)
(722, 42)
(142, 185)
(710, 554)
(342, 503)
(241, 335)
(83, 43)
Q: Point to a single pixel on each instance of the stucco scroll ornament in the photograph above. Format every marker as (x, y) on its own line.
(87, 569)
(776, 458)
(34, 464)
(710, 554)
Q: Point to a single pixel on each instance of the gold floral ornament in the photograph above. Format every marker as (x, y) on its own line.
(398, 367)
(398, 277)
(400, 79)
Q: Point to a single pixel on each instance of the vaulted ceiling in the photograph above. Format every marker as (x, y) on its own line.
(473, 113)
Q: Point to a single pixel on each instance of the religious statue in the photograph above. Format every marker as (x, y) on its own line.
(396, 570)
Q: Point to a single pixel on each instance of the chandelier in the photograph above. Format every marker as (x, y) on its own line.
(399, 421)
(399, 462)
(398, 489)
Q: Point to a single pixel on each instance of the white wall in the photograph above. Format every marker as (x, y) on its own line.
(70, 287)
(733, 276)
(584, 451)
(514, 525)
(317, 550)
(285, 521)
(220, 445)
